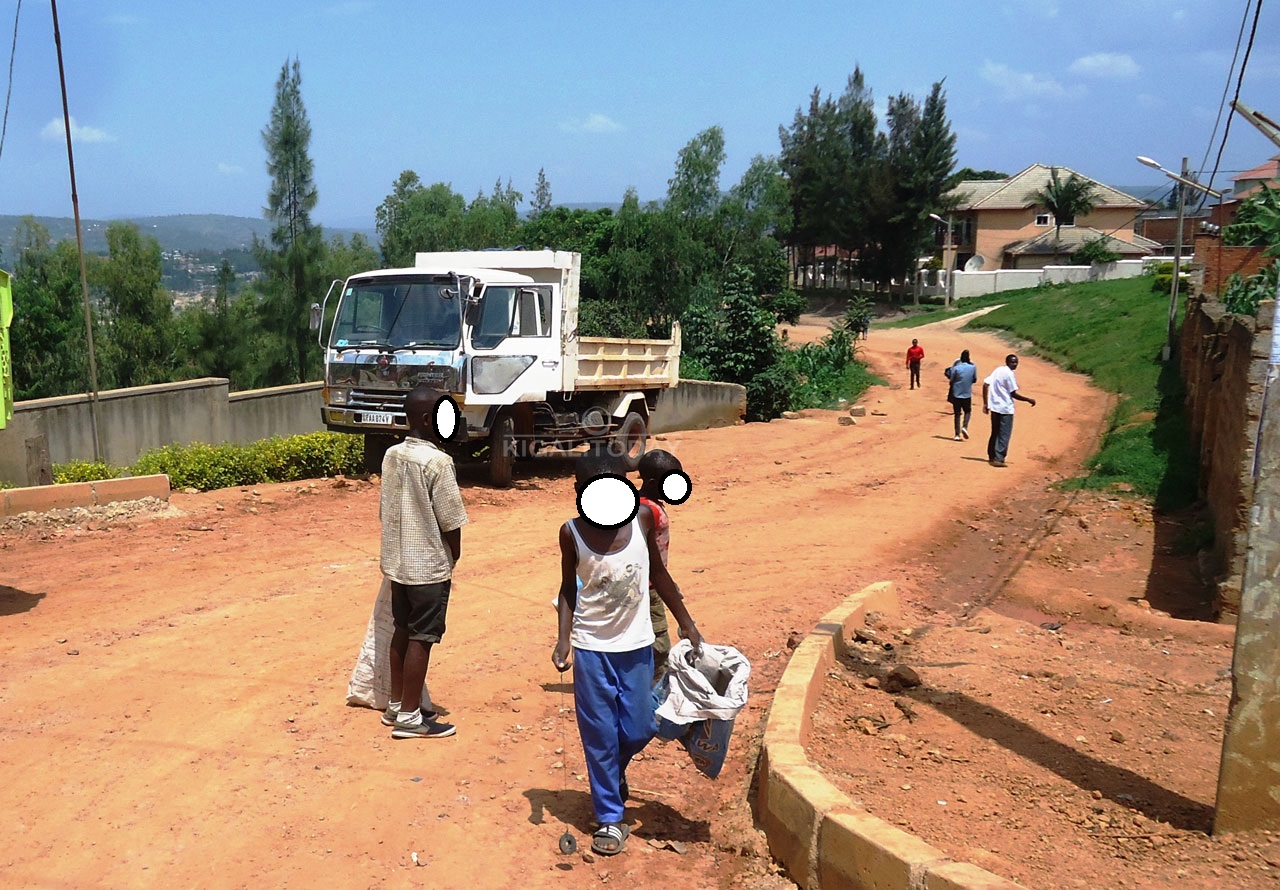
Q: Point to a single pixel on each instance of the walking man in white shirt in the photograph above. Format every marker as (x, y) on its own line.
(999, 392)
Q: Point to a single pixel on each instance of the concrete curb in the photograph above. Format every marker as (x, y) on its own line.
(815, 830)
(82, 494)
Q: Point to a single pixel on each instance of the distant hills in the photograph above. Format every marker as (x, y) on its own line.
(188, 233)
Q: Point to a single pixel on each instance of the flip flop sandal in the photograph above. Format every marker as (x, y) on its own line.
(610, 839)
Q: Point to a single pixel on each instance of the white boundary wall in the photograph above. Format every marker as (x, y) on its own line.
(977, 284)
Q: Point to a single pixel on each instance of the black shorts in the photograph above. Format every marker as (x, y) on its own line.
(419, 609)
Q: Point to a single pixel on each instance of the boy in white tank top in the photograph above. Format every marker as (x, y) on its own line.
(606, 628)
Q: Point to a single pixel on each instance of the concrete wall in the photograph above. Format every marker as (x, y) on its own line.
(977, 284)
(279, 411)
(130, 421)
(1224, 365)
(699, 405)
(133, 421)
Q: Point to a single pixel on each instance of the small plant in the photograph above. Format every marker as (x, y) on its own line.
(84, 471)
(786, 306)
(1242, 295)
(207, 467)
(1094, 251)
(857, 316)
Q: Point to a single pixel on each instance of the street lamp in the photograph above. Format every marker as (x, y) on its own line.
(1184, 181)
(947, 257)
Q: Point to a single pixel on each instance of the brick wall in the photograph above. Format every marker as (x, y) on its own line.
(1221, 261)
(1224, 365)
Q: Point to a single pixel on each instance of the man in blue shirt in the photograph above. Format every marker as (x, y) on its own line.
(963, 375)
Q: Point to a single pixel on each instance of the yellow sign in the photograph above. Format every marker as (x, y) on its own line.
(6, 359)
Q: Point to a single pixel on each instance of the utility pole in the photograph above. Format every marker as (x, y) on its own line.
(84, 280)
(1249, 776)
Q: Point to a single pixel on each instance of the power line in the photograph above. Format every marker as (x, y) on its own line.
(1244, 63)
(1226, 87)
(13, 51)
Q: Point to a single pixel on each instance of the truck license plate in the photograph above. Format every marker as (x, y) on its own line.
(381, 418)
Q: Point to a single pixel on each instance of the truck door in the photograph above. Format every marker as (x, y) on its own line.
(515, 346)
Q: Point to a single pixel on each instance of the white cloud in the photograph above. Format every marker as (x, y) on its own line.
(55, 131)
(594, 123)
(1020, 85)
(230, 169)
(1105, 65)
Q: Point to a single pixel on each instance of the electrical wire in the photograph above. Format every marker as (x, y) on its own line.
(13, 51)
(1226, 131)
(1226, 87)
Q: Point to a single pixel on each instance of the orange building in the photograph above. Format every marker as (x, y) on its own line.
(999, 223)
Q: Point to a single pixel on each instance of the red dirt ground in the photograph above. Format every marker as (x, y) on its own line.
(173, 682)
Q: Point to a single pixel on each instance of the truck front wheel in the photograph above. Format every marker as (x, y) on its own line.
(375, 449)
(502, 451)
(631, 439)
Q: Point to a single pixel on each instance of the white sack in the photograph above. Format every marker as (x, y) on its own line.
(710, 686)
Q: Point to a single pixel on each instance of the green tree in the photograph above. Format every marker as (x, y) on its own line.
(138, 346)
(47, 337)
(293, 259)
(492, 221)
(694, 189)
(419, 218)
(1257, 223)
(541, 196)
(1066, 199)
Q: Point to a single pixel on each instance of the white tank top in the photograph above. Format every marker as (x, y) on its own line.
(613, 601)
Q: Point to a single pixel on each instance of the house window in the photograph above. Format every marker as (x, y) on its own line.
(1043, 219)
(1067, 221)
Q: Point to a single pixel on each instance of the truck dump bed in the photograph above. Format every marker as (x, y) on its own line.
(610, 363)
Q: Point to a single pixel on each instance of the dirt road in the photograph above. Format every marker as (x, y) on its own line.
(172, 688)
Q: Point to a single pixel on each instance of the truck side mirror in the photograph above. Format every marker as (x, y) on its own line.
(315, 316)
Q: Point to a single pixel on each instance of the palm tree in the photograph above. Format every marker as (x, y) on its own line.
(1066, 199)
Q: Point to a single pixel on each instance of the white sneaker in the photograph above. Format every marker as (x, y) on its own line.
(964, 431)
(957, 438)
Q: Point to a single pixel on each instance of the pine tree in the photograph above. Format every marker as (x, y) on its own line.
(292, 260)
(541, 195)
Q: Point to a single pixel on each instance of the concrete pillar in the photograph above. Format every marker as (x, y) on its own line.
(1249, 778)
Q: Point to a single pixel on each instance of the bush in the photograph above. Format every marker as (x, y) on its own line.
(1242, 295)
(206, 467)
(786, 306)
(84, 471)
(1094, 251)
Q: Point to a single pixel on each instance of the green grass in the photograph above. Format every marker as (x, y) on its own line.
(929, 313)
(1113, 331)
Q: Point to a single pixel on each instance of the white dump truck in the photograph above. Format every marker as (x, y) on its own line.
(499, 330)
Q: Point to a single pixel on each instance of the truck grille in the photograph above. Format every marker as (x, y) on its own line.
(373, 400)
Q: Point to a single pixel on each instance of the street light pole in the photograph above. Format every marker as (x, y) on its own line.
(948, 257)
(1184, 181)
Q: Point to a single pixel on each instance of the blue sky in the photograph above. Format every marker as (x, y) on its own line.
(169, 99)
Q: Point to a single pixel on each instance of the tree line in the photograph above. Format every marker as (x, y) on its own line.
(704, 254)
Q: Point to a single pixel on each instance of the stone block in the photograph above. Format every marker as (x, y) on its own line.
(856, 849)
(48, 497)
(858, 411)
(963, 876)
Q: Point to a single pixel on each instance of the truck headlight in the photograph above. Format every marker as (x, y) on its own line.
(337, 395)
(492, 374)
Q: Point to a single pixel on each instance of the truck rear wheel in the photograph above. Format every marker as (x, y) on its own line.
(631, 439)
(502, 451)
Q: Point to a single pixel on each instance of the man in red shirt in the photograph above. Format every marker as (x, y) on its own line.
(915, 355)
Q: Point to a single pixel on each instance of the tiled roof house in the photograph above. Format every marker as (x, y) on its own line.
(1002, 222)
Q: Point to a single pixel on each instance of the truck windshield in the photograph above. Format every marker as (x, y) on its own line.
(398, 313)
